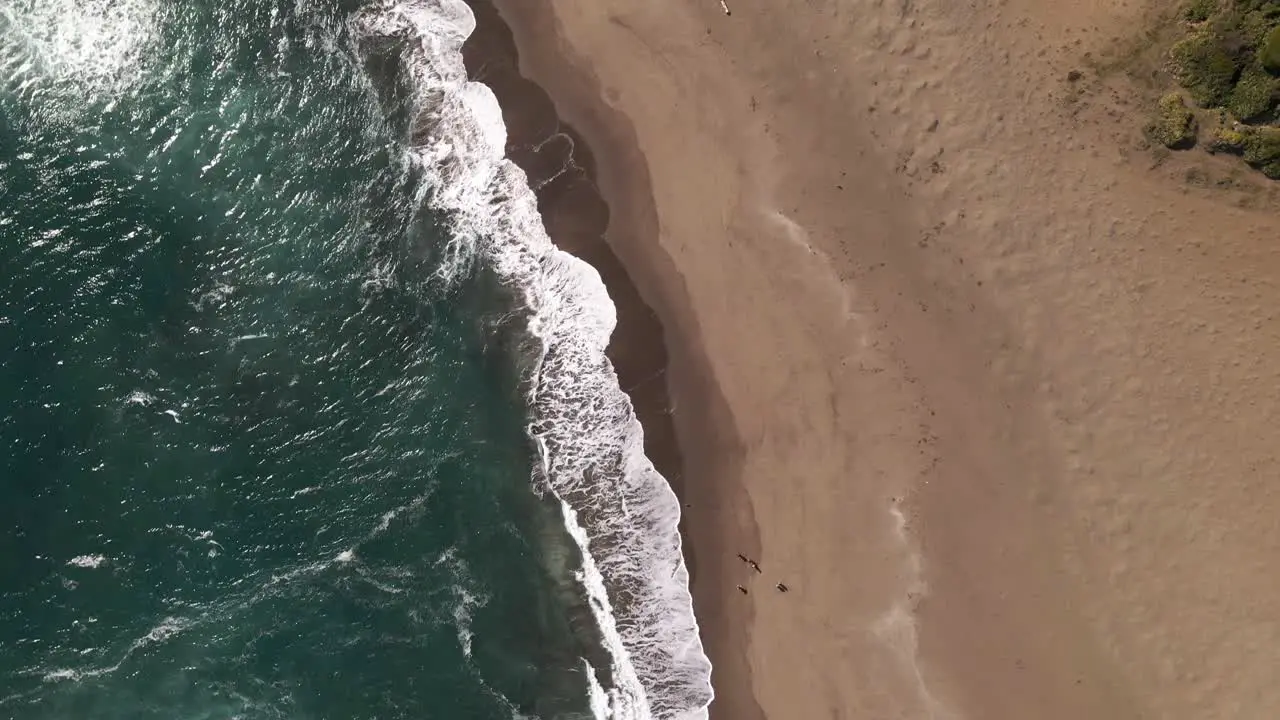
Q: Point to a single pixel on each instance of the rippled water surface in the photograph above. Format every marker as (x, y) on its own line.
(257, 459)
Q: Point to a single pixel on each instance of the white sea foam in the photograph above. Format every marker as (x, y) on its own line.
(138, 397)
(95, 46)
(167, 628)
(465, 601)
(619, 509)
(62, 675)
(87, 561)
(596, 693)
(411, 509)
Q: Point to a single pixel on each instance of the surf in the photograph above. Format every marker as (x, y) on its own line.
(619, 510)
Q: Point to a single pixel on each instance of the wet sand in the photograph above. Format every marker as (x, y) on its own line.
(571, 198)
(991, 387)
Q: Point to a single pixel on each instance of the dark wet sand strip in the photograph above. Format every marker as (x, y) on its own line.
(562, 171)
(600, 211)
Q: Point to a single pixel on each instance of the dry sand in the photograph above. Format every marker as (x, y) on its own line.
(992, 389)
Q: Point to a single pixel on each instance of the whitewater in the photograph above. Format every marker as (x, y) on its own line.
(620, 511)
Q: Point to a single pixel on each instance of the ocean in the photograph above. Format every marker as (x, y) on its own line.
(305, 417)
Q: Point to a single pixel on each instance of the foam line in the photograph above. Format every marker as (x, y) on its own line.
(622, 513)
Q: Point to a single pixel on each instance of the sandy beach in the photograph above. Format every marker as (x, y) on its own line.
(914, 319)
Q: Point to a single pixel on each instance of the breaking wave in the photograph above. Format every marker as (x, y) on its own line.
(619, 510)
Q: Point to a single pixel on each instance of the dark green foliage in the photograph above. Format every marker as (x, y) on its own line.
(1234, 32)
(1254, 93)
(1252, 29)
(1269, 53)
(1267, 7)
(1216, 57)
(1228, 62)
(1204, 68)
(1262, 150)
(1199, 10)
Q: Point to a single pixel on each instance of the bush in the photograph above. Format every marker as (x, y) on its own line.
(1262, 149)
(1204, 69)
(1269, 53)
(1226, 140)
(1256, 5)
(1199, 10)
(1253, 28)
(1173, 126)
(1254, 93)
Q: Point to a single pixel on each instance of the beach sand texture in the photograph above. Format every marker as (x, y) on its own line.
(989, 387)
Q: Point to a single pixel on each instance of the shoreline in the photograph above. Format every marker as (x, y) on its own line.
(718, 520)
(589, 445)
(581, 204)
(561, 170)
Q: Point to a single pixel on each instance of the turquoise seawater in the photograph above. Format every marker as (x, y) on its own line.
(257, 459)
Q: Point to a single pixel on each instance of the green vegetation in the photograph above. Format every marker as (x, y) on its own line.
(1262, 150)
(1204, 68)
(1226, 140)
(1269, 53)
(1198, 11)
(1254, 93)
(1228, 64)
(1260, 146)
(1173, 126)
(1265, 6)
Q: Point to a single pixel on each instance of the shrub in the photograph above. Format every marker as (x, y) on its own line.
(1262, 150)
(1255, 5)
(1253, 29)
(1269, 52)
(1199, 10)
(1226, 140)
(1254, 93)
(1173, 126)
(1204, 69)
(1235, 32)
